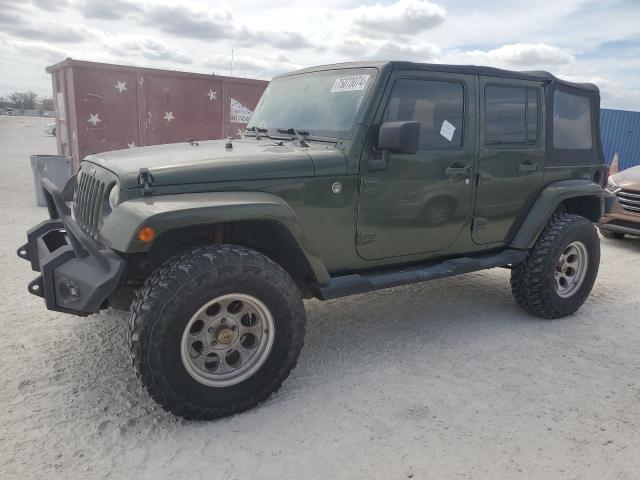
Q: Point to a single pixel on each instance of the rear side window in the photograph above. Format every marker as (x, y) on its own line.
(571, 121)
(438, 106)
(511, 115)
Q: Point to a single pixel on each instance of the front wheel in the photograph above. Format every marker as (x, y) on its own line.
(558, 274)
(216, 331)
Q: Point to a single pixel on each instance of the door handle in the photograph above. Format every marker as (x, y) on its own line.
(528, 167)
(458, 170)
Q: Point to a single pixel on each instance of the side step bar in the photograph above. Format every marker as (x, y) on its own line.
(366, 282)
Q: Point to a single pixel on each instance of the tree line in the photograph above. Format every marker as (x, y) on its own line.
(26, 101)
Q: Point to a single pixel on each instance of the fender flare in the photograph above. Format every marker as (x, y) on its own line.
(169, 212)
(547, 203)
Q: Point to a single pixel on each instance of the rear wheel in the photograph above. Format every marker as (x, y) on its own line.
(216, 331)
(558, 274)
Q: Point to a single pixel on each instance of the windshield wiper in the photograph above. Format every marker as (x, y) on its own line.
(258, 131)
(298, 133)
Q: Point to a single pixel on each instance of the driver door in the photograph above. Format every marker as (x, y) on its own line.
(421, 202)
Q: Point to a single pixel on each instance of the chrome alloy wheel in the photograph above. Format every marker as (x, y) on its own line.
(571, 269)
(227, 340)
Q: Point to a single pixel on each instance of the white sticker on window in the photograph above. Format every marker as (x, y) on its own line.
(447, 130)
(349, 84)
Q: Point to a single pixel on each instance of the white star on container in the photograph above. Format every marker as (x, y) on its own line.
(211, 95)
(131, 145)
(95, 119)
(121, 86)
(168, 116)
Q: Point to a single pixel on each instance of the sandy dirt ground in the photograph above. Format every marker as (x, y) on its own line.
(446, 379)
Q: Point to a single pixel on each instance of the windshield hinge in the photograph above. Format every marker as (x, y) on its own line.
(479, 223)
(145, 182)
(364, 237)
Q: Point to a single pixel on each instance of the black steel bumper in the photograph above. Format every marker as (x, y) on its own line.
(77, 275)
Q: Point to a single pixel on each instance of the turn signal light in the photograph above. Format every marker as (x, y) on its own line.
(146, 234)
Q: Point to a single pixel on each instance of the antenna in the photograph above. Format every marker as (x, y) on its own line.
(229, 144)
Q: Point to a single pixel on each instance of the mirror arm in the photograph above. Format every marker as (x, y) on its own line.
(378, 162)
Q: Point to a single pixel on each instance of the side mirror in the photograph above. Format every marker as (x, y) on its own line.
(399, 137)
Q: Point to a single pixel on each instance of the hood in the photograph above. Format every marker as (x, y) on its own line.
(209, 161)
(628, 179)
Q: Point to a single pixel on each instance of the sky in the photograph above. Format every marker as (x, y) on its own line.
(594, 41)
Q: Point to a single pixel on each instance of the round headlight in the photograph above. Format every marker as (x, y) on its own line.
(114, 196)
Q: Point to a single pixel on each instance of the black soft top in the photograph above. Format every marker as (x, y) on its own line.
(540, 76)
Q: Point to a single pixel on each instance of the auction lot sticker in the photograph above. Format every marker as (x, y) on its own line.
(349, 84)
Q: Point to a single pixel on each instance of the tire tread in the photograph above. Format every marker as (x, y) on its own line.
(199, 263)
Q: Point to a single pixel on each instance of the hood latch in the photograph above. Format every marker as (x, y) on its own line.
(145, 182)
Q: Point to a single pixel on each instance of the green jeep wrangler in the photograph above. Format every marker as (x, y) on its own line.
(349, 178)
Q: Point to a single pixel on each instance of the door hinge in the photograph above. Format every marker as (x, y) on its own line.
(145, 182)
(364, 237)
(478, 224)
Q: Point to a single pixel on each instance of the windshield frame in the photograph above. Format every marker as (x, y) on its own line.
(321, 135)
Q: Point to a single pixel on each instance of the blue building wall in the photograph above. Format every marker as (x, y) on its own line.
(620, 133)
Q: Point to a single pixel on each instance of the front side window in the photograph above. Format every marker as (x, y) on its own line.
(511, 115)
(324, 103)
(571, 121)
(438, 106)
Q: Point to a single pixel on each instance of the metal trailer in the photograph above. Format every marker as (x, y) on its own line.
(102, 107)
(620, 133)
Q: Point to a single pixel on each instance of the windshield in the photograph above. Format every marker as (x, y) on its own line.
(324, 104)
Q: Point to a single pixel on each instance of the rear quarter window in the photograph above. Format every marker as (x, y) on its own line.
(571, 121)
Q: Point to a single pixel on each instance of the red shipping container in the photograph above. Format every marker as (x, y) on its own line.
(102, 107)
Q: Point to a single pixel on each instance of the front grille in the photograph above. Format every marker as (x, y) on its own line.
(87, 202)
(629, 200)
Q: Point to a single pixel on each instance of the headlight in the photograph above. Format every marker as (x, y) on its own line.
(114, 196)
(612, 186)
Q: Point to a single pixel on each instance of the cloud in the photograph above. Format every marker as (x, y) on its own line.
(404, 17)
(48, 5)
(258, 67)
(516, 55)
(149, 49)
(23, 24)
(108, 10)
(362, 49)
(43, 30)
(281, 39)
(184, 22)
(38, 50)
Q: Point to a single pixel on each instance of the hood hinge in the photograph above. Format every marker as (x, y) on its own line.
(145, 182)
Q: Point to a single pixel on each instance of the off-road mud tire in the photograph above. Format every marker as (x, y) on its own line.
(169, 298)
(532, 281)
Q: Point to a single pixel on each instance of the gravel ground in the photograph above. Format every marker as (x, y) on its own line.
(446, 379)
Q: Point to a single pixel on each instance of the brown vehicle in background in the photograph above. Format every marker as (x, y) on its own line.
(622, 205)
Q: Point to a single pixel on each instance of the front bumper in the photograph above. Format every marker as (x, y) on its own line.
(77, 275)
(617, 219)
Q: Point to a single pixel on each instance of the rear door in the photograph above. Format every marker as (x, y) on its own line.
(511, 156)
(421, 202)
